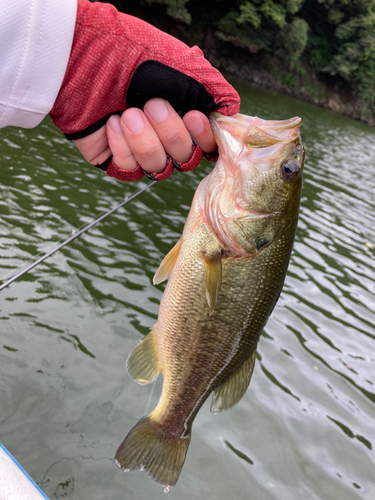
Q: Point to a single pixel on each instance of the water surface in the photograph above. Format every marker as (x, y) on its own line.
(306, 426)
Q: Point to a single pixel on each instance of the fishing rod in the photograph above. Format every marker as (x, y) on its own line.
(74, 236)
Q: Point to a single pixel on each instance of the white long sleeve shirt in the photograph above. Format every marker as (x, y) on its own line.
(35, 41)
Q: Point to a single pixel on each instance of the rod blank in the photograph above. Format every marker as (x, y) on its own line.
(73, 237)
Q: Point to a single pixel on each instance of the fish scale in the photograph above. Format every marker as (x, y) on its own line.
(225, 276)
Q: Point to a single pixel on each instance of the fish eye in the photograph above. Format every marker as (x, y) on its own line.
(289, 169)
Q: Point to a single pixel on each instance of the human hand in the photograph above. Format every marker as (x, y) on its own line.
(144, 137)
(117, 63)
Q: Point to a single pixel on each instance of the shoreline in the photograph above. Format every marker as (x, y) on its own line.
(268, 72)
(258, 67)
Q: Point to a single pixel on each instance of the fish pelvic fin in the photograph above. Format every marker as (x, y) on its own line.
(212, 278)
(143, 362)
(167, 264)
(148, 448)
(233, 389)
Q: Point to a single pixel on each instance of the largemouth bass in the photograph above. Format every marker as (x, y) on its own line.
(225, 276)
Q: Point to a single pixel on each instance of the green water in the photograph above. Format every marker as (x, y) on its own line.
(306, 427)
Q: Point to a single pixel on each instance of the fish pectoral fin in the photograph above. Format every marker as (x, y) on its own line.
(167, 264)
(143, 362)
(212, 278)
(230, 393)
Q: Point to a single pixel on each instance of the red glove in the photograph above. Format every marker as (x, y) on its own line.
(117, 62)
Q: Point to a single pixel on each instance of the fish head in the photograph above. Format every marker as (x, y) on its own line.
(255, 193)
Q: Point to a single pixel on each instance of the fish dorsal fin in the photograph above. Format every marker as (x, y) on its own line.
(212, 278)
(167, 264)
(230, 393)
(143, 363)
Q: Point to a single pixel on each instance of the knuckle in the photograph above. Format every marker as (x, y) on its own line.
(98, 159)
(125, 162)
(149, 151)
(123, 155)
(176, 138)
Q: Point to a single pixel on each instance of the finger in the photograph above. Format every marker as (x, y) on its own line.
(169, 128)
(199, 128)
(143, 140)
(122, 154)
(94, 148)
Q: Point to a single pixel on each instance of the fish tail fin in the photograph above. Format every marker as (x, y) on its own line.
(148, 448)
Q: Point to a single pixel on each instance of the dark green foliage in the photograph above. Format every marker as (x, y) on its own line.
(265, 24)
(337, 37)
(355, 59)
(320, 51)
(293, 38)
(176, 9)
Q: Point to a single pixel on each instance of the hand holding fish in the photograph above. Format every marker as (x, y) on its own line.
(144, 138)
(119, 62)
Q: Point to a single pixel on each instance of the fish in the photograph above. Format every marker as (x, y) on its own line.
(225, 275)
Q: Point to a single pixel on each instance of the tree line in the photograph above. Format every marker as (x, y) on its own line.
(335, 37)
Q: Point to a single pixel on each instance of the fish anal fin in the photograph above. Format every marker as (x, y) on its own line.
(148, 448)
(212, 277)
(143, 363)
(233, 389)
(167, 264)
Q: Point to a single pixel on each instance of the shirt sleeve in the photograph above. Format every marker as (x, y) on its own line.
(35, 38)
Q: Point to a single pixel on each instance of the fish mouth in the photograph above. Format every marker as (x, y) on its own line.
(272, 132)
(258, 133)
(278, 124)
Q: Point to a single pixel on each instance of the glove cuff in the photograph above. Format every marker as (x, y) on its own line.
(113, 170)
(194, 161)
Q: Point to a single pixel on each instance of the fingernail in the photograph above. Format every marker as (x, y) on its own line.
(133, 120)
(114, 123)
(194, 124)
(157, 109)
